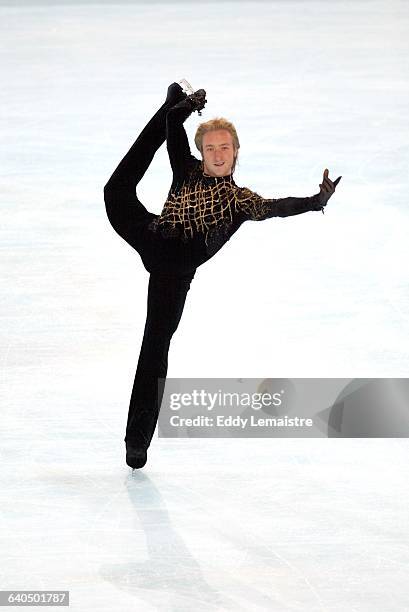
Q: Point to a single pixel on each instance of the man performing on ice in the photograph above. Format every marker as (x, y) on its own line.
(203, 210)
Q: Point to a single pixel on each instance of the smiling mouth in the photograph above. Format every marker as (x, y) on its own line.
(220, 164)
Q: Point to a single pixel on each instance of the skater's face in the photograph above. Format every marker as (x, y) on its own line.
(218, 152)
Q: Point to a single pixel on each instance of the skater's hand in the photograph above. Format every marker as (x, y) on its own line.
(193, 102)
(198, 100)
(327, 187)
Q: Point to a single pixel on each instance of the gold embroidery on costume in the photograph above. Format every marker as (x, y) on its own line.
(207, 208)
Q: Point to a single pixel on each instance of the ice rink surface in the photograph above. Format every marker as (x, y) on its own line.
(258, 524)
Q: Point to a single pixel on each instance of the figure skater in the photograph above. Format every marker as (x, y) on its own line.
(204, 208)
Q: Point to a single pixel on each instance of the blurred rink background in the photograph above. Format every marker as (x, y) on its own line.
(271, 524)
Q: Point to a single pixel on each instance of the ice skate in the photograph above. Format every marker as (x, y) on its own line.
(136, 457)
(175, 94)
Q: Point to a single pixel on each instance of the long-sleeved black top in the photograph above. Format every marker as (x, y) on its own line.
(202, 212)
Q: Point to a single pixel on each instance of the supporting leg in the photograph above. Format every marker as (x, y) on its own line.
(166, 300)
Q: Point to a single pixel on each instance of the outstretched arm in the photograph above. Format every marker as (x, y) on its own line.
(258, 208)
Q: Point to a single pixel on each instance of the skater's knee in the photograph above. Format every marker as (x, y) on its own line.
(109, 188)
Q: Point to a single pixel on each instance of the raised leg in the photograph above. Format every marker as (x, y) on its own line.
(127, 215)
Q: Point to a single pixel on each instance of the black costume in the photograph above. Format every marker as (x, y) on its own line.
(200, 215)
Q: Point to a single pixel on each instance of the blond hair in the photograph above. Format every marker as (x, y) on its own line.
(218, 123)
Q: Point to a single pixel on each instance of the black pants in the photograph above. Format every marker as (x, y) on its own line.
(167, 291)
(166, 299)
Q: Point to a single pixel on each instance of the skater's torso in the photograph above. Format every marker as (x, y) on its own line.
(203, 212)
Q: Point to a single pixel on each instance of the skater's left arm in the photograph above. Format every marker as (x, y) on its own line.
(258, 208)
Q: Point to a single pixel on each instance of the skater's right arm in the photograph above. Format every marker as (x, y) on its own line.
(180, 156)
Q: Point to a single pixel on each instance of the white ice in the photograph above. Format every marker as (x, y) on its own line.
(300, 525)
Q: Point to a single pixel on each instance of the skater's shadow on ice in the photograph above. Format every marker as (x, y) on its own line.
(170, 570)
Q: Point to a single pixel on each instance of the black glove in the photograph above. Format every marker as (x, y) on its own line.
(197, 100)
(327, 188)
(175, 94)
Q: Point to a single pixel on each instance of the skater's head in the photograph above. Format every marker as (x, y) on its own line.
(219, 145)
